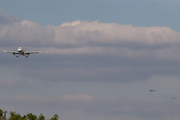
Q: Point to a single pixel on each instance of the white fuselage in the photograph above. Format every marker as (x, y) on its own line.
(20, 51)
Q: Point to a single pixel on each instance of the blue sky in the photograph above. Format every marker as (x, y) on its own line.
(100, 58)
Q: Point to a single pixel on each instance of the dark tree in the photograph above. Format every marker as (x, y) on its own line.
(41, 117)
(15, 116)
(30, 116)
(55, 117)
(1, 113)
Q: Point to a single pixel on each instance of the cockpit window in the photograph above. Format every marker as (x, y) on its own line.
(19, 49)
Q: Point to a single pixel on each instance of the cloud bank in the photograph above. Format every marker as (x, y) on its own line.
(91, 70)
(130, 49)
(94, 38)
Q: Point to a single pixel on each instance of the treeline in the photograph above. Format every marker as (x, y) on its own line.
(29, 116)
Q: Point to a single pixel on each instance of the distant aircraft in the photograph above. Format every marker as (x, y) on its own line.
(22, 52)
(152, 90)
(173, 97)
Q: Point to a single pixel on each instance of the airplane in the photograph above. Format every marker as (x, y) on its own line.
(173, 97)
(152, 90)
(22, 52)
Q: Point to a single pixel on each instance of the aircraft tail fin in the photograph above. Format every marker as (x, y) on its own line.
(25, 48)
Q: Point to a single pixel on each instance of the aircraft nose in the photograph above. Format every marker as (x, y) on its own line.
(19, 49)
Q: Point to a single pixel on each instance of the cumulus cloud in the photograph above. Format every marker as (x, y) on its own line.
(93, 38)
(87, 33)
(75, 23)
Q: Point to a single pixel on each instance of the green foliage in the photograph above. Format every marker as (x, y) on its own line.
(30, 116)
(55, 117)
(15, 116)
(41, 117)
(1, 113)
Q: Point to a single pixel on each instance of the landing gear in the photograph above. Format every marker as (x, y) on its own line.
(27, 56)
(17, 56)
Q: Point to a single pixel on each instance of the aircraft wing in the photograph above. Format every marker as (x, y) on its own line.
(13, 52)
(33, 52)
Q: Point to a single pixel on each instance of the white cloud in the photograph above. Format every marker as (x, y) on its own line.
(84, 32)
(93, 38)
(75, 23)
(83, 37)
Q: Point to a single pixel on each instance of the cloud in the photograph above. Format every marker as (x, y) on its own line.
(5, 20)
(93, 38)
(111, 33)
(8, 80)
(75, 23)
(10, 83)
(30, 99)
(78, 97)
(90, 70)
(108, 107)
(125, 99)
(113, 50)
(85, 33)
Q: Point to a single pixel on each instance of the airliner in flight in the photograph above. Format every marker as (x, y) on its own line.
(22, 52)
(152, 90)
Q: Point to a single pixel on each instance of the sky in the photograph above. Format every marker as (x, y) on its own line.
(100, 59)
